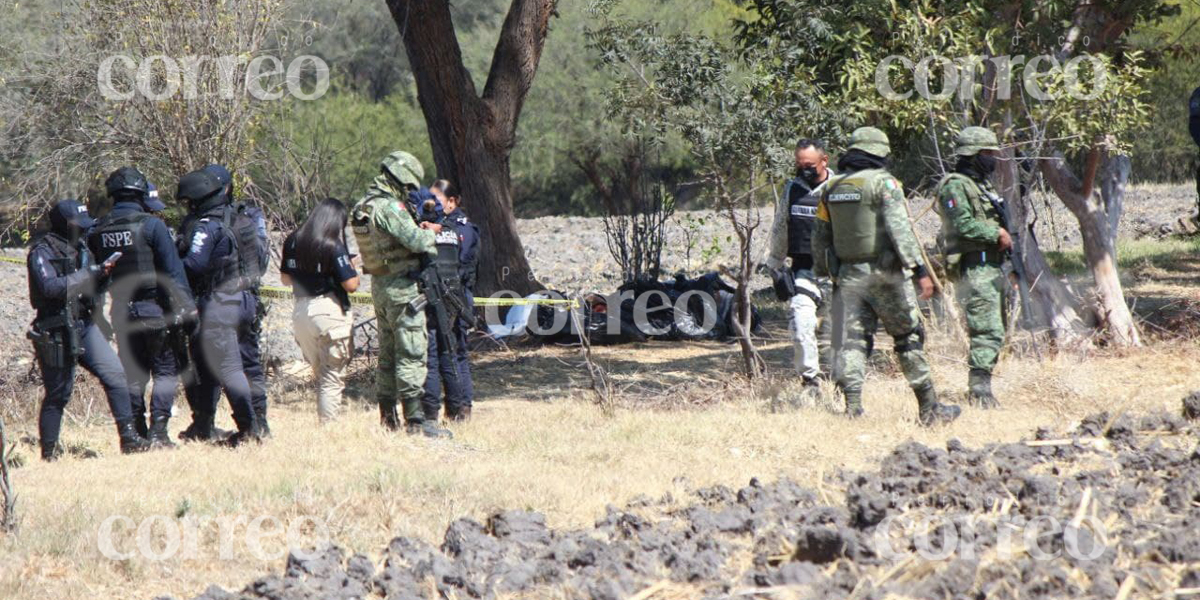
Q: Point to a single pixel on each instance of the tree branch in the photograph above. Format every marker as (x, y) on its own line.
(515, 61)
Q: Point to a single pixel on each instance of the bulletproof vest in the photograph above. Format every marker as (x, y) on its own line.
(446, 261)
(134, 271)
(980, 208)
(242, 268)
(855, 215)
(802, 213)
(66, 259)
(382, 254)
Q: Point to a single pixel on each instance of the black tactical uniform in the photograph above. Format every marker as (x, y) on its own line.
(62, 283)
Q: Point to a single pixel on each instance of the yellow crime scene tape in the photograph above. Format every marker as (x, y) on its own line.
(271, 291)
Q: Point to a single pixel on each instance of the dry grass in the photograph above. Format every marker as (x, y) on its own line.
(537, 442)
(563, 458)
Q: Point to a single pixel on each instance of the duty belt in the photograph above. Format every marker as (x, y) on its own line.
(975, 259)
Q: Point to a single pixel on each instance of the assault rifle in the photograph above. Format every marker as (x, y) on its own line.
(1015, 256)
(447, 307)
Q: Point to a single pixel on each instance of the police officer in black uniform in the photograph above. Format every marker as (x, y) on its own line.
(1194, 129)
(149, 293)
(250, 329)
(221, 260)
(62, 283)
(450, 368)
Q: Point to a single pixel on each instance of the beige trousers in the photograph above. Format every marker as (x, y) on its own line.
(323, 332)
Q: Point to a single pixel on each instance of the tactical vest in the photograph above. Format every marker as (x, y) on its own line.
(446, 262)
(382, 254)
(242, 269)
(855, 214)
(134, 272)
(981, 209)
(66, 259)
(802, 214)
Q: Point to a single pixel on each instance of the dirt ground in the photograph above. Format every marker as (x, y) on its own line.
(542, 451)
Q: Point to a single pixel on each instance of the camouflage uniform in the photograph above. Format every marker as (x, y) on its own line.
(391, 245)
(971, 231)
(863, 235)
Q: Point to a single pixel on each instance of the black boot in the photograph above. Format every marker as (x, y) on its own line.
(251, 434)
(51, 451)
(458, 414)
(854, 407)
(428, 429)
(201, 429)
(159, 437)
(131, 440)
(388, 416)
(139, 425)
(932, 412)
(260, 417)
(979, 389)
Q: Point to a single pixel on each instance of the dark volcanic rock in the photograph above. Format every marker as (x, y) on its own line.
(955, 514)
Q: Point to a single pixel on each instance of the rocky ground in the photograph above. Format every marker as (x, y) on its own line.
(1105, 509)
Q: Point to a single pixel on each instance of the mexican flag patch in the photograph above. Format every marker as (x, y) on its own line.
(950, 202)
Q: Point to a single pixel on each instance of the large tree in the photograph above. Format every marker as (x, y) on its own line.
(473, 134)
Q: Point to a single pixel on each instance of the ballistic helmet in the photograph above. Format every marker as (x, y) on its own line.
(403, 167)
(126, 179)
(971, 140)
(870, 140)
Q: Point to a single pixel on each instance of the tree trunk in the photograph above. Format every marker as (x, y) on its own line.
(1056, 308)
(472, 136)
(1098, 228)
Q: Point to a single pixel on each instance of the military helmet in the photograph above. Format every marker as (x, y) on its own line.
(198, 185)
(870, 140)
(126, 179)
(971, 140)
(404, 167)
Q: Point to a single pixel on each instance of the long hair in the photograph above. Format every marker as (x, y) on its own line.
(321, 237)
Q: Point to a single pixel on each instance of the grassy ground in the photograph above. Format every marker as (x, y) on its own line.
(539, 442)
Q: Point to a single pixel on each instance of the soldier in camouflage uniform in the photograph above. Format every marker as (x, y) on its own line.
(971, 230)
(863, 240)
(392, 246)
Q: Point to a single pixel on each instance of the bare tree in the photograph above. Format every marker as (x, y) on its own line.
(163, 85)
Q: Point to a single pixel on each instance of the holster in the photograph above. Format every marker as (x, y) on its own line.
(784, 284)
(56, 342)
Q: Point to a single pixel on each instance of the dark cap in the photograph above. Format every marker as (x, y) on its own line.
(153, 203)
(70, 213)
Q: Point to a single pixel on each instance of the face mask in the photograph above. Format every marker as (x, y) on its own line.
(808, 174)
(986, 164)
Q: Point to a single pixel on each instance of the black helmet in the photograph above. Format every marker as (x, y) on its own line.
(126, 179)
(198, 186)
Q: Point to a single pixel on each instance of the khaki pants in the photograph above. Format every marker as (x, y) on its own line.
(323, 332)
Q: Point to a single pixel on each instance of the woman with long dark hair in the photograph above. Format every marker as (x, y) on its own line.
(318, 265)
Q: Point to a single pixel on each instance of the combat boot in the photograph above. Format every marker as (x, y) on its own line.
(979, 389)
(252, 434)
(131, 440)
(388, 416)
(260, 417)
(201, 429)
(458, 415)
(428, 429)
(51, 451)
(159, 437)
(139, 425)
(932, 412)
(854, 407)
